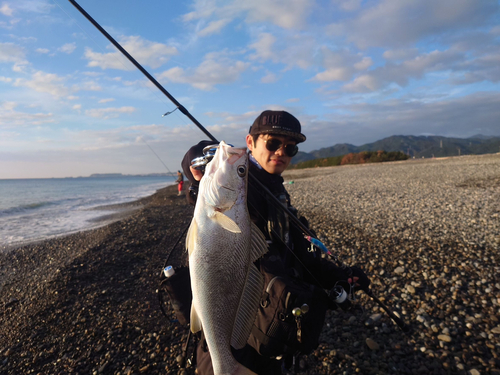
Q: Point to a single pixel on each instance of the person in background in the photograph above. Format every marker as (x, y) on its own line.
(272, 142)
(180, 181)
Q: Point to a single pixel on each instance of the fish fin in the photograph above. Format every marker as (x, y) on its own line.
(191, 236)
(226, 222)
(194, 320)
(247, 310)
(259, 244)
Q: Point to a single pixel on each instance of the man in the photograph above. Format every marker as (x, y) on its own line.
(272, 142)
(180, 182)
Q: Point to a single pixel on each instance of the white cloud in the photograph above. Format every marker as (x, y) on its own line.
(214, 70)
(400, 54)
(287, 14)
(10, 52)
(102, 101)
(214, 27)
(399, 23)
(348, 5)
(457, 117)
(107, 113)
(42, 50)
(10, 118)
(68, 48)
(148, 53)
(77, 106)
(401, 73)
(269, 78)
(6, 10)
(291, 50)
(44, 82)
(5, 79)
(341, 65)
(264, 48)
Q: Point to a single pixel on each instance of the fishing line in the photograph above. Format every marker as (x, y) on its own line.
(161, 161)
(273, 231)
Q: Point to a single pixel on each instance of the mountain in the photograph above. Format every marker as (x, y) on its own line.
(417, 146)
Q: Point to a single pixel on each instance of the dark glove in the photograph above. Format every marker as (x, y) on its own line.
(363, 280)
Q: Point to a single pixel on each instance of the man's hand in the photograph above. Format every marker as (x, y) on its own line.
(359, 278)
(197, 174)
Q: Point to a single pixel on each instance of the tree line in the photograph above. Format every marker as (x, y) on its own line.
(353, 158)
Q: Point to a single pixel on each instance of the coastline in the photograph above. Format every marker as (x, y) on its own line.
(86, 303)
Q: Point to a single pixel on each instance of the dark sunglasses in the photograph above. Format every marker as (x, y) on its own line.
(274, 144)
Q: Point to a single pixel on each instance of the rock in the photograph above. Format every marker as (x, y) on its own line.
(496, 329)
(399, 270)
(444, 338)
(372, 344)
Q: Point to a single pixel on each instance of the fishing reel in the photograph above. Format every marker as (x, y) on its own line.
(201, 162)
(340, 297)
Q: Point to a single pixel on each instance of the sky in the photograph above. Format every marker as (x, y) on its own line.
(352, 71)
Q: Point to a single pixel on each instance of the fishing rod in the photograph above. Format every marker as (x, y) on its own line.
(144, 71)
(254, 179)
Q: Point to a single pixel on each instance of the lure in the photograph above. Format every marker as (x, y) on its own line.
(318, 244)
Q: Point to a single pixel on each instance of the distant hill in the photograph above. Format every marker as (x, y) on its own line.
(417, 146)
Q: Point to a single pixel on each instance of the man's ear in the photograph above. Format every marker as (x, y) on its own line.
(249, 140)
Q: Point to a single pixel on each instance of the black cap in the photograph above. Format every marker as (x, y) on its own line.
(277, 122)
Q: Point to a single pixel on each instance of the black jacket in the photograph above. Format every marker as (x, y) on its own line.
(288, 253)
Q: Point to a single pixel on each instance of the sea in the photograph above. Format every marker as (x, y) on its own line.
(37, 209)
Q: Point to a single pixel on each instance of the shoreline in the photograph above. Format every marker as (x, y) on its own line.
(119, 212)
(87, 303)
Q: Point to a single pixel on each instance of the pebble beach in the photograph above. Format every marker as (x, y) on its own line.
(426, 231)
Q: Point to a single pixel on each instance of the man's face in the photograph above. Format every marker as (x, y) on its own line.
(274, 162)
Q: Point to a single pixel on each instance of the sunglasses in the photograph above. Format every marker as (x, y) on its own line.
(274, 144)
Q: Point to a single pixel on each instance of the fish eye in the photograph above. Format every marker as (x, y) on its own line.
(242, 170)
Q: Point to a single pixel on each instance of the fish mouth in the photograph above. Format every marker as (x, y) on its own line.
(224, 187)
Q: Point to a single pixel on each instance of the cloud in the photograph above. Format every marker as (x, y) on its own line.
(44, 82)
(269, 78)
(291, 50)
(401, 73)
(341, 65)
(68, 48)
(459, 117)
(348, 5)
(400, 54)
(399, 23)
(148, 53)
(10, 118)
(106, 113)
(214, 27)
(42, 50)
(6, 10)
(284, 13)
(102, 101)
(214, 70)
(287, 14)
(10, 52)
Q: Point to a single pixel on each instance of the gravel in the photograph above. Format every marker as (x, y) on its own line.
(427, 232)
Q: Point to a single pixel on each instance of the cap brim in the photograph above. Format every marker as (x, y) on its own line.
(299, 137)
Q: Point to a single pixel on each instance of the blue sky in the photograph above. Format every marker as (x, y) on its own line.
(352, 71)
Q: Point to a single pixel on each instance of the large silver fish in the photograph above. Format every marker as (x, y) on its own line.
(223, 244)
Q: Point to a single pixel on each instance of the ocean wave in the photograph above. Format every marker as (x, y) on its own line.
(24, 208)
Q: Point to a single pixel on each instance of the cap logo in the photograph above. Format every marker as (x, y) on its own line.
(273, 119)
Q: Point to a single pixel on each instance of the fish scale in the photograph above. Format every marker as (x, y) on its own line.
(223, 245)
